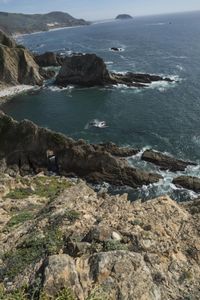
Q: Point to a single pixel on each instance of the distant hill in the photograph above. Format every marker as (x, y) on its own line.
(123, 17)
(13, 23)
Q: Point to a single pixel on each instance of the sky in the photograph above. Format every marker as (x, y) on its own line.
(100, 9)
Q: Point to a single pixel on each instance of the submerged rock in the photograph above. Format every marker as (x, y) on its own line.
(28, 148)
(188, 182)
(166, 162)
(90, 70)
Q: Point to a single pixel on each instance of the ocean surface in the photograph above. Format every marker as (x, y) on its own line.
(163, 116)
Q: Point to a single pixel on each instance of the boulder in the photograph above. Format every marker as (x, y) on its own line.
(33, 149)
(114, 150)
(17, 64)
(90, 70)
(166, 162)
(49, 59)
(188, 182)
(85, 70)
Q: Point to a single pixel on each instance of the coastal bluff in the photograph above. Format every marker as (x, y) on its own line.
(17, 65)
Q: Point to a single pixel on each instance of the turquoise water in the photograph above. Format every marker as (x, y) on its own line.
(163, 116)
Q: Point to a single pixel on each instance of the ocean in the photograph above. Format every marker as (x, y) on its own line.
(164, 116)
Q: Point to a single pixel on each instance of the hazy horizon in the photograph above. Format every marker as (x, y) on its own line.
(87, 9)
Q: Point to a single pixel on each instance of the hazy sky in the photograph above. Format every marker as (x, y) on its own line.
(100, 9)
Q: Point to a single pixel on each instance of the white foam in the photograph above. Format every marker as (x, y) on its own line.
(55, 88)
(18, 89)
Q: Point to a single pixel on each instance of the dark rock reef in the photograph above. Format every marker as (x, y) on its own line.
(90, 70)
(26, 148)
(166, 162)
(17, 65)
(188, 182)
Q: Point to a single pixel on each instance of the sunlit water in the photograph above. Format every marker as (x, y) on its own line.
(163, 116)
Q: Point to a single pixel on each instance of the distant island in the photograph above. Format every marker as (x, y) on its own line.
(13, 23)
(124, 17)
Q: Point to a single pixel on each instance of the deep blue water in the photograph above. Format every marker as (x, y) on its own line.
(165, 117)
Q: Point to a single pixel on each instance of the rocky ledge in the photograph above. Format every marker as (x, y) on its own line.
(90, 70)
(26, 148)
(61, 240)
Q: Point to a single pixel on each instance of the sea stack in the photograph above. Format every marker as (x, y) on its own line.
(124, 17)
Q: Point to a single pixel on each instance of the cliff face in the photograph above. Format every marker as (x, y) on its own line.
(25, 146)
(17, 65)
(13, 23)
(61, 240)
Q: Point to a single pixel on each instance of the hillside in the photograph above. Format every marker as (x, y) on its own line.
(13, 23)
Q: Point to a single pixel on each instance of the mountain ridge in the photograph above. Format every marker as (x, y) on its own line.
(19, 23)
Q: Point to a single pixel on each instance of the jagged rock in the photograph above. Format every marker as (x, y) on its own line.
(85, 70)
(90, 70)
(166, 162)
(117, 151)
(49, 59)
(17, 64)
(47, 73)
(188, 182)
(98, 234)
(6, 41)
(161, 263)
(27, 146)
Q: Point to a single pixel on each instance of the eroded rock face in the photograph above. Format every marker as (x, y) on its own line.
(188, 182)
(85, 70)
(17, 64)
(90, 70)
(165, 162)
(156, 257)
(25, 149)
(49, 59)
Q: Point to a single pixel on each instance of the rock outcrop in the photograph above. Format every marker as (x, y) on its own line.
(26, 148)
(165, 162)
(84, 70)
(17, 65)
(61, 240)
(90, 70)
(49, 59)
(188, 182)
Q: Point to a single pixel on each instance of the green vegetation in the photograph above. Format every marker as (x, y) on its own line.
(35, 247)
(48, 187)
(19, 219)
(113, 245)
(24, 23)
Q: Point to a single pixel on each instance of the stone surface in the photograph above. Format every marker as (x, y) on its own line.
(90, 70)
(49, 59)
(158, 256)
(165, 162)
(17, 64)
(25, 149)
(188, 182)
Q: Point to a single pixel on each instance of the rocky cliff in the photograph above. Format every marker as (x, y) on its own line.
(17, 65)
(61, 240)
(26, 149)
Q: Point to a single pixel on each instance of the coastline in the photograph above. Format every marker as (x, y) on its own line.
(18, 35)
(11, 91)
